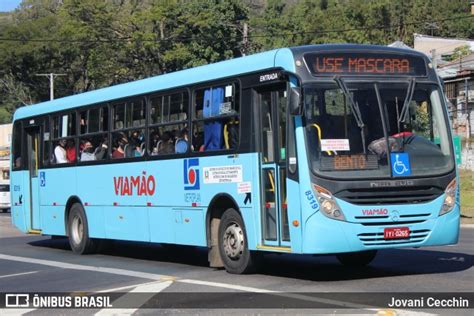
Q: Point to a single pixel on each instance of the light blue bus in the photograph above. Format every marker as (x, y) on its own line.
(324, 149)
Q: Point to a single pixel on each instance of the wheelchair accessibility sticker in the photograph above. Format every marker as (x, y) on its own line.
(400, 164)
(42, 179)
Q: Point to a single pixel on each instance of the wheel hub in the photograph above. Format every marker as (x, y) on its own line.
(77, 230)
(233, 241)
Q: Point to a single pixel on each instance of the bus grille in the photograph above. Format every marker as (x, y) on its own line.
(381, 196)
(376, 239)
(386, 221)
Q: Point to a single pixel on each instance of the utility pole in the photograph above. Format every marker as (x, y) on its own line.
(433, 59)
(468, 112)
(51, 82)
(245, 39)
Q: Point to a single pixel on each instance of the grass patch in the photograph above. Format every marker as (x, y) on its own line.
(467, 196)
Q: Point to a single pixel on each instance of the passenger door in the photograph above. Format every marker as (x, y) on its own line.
(272, 127)
(33, 159)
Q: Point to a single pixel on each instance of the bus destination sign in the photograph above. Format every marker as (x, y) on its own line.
(365, 64)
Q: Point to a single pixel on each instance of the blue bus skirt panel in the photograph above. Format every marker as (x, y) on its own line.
(52, 220)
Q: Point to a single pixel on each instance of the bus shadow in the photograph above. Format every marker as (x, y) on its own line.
(138, 250)
(388, 263)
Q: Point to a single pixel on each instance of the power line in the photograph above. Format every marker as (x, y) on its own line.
(280, 34)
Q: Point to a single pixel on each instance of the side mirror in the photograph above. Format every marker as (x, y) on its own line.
(294, 100)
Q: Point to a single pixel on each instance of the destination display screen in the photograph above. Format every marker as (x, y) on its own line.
(349, 162)
(366, 63)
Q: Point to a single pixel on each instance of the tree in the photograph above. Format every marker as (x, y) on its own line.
(461, 51)
(15, 94)
(101, 43)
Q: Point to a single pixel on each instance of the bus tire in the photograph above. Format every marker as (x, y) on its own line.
(357, 259)
(78, 231)
(233, 246)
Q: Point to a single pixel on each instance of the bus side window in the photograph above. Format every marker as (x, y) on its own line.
(169, 124)
(128, 137)
(17, 135)
(93, 144)
(46, 141)
(119, 116)
(216, 118)
(267, 130)
(137, 113)
(83, 121)
(64, 143)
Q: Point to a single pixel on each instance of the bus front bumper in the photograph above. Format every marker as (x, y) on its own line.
(324, 236)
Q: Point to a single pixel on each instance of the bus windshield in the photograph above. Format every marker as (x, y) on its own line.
(360, 129)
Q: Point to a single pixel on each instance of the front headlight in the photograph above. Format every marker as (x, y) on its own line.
(329, 206)
(449, 198)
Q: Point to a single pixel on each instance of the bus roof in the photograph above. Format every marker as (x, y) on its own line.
(278, 57)
(283, 57)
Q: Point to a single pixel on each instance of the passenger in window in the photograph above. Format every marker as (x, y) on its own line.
(155, 142)
(166, 146)
(138, 141)
(18, 162)
(175, 135)
(71, 151)
(182, 143)
(136, 146)
(198, 141)
(87, 152)
(122, 143)
(101, 150)
(60, 152)
(83, 126)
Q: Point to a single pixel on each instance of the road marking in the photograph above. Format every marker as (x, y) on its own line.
(15, 311)
(289, 295)
(147, 290)
(16, 274)
(127, 287)
(166, 278)
(227, 286)
(276, 293)
(63, 265)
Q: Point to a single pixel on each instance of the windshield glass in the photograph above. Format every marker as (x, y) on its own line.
(407, 118)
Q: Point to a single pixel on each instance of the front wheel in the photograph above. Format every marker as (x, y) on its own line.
(78, 231)
(357, 259)
(233, 246)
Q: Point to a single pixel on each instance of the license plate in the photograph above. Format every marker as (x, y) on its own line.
(396, 233)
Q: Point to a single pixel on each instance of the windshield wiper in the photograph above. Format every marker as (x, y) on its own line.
(354, 107)
(404, 114)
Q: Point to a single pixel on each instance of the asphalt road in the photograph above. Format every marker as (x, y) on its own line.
(31, 263)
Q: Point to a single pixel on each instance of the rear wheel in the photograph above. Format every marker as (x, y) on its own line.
(357, 259)
(233, 246)
(78, 231)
